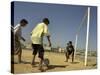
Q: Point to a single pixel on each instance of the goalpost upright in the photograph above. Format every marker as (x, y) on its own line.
(87, 36)
(76, 37)
(87, 14)
(75, 44)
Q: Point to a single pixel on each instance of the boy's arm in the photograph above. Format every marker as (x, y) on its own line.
(46, 33)
(48, 38)
(73, 48)
(23, 38)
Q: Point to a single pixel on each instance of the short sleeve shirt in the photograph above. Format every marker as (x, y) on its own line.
(38, 32)
(18, 30)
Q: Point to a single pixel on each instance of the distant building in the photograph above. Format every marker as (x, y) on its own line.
(61, 49)
(47, 48)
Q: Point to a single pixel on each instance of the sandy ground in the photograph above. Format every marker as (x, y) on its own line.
(57, 63)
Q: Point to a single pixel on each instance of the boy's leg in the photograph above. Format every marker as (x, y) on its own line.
(40, 64)
(73, 56)
(17, 47)
(19, 55)
(33, 60)
(35, 48)
(41, 57)
(66, 54)
(19, 52)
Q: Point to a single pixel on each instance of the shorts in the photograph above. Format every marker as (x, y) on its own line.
(69, 52)
(37, 48)
(17, 45)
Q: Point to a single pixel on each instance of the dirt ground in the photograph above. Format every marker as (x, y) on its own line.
(57, 63)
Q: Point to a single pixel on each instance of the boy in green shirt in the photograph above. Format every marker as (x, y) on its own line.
(37, 34)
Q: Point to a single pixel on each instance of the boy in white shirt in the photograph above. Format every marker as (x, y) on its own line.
(18, 37)
(37, 34)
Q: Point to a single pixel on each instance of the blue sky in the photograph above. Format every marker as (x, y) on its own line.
(64, 22)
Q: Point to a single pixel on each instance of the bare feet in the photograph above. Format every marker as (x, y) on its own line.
(41, 69)
(33, 63)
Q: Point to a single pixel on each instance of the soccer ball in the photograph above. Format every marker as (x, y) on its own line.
(46, 62)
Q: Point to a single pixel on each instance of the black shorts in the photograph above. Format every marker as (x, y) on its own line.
(69, 52)
(37, 48)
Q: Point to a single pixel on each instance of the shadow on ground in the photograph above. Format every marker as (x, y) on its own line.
(74, 62)
(56, 66)
(24, 62)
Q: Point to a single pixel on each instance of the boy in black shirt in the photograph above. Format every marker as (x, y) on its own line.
(70, 51)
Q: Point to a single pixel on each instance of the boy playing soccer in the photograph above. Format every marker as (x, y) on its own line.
(18, 37)
(70, 50)
(37, 40)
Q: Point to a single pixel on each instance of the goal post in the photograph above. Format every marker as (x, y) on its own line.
(77, 34)
(75, 44)
(87, 36)
(87, 15)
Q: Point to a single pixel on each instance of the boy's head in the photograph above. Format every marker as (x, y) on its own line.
(46, 21)
(23, 22)
(70, 42)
